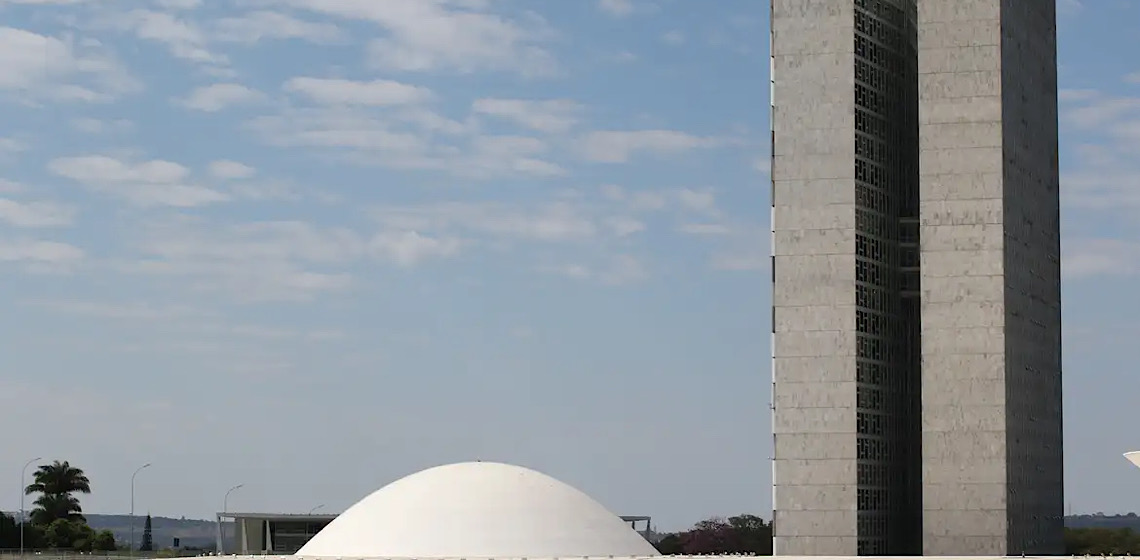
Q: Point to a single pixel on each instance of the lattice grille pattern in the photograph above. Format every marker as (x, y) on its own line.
(886, 173)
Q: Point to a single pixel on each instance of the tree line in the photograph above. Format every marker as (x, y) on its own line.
(740, 534)
(56, 520)
(749, 534)
(1102, 541)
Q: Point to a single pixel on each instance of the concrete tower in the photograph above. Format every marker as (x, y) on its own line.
(916, 320)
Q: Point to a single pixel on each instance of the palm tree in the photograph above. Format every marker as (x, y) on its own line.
(56, 483)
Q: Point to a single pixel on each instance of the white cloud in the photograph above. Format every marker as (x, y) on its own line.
(226, 169)
(35, 214)
(275, 190)
(409, 248)
(270, 240)
(179, 4)
(638, 201)
(335, 129)
(491, 156)
(44, 2)
(275, 260)
(553, 222)
(705, 229)
(260, 25)
(40, 256)
(244, 281)
(1114, 186)
(148, 183)
(458, 35)
(745, 261)
(557, 115)
(616, 8)
(1091, 257)
(97, 126)
(346, 92)
(674, 37)
(703, 201)
(1105, 177)
(620, 146)
(598, 229)
(181, 37)
(11, 187)
(130, 311)
(623, 226)
(1102, 110)
(40, 66)
(763, 164)
(1077, 94)
(615, 270)
(216, 97)
(688, 201)
(407, 139)
(11, 145)
(623, 57)
(251, 262)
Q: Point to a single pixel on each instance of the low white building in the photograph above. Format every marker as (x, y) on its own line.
(267, 533)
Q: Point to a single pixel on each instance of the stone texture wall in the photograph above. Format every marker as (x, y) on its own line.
(1035, 499)
(813, 220)
(963, 289)
(987, 91)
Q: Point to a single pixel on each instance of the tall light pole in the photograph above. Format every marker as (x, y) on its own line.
(23, 471)
(131, 548)
(225, 509)
(316, 508)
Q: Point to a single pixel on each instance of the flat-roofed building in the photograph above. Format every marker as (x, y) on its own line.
(268, 533)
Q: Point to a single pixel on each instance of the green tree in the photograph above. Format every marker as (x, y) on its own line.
(65, 534)
(670, 545)
(10, 534)
(9, 531)
(1101, 541)
(147, 536)
(751, 534)
(56, 484)
(61, 533)
(741, 534)
(84, 540)
(104, 542)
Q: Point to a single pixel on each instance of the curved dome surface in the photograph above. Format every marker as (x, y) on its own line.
(1133, 457)
(477, 510)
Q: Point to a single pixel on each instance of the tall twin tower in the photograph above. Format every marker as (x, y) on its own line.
(916, 271)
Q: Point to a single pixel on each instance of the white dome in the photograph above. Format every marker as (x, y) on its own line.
(1133, 457)
(477, 510)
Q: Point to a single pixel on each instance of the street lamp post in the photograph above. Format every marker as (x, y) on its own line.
(131, 548)
(316, 508)
(225, 509)
(23, 472)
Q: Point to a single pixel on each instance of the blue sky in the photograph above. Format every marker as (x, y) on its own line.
(314, 245)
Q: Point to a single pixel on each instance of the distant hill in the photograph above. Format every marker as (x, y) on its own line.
(1102, 521)
(196, 533)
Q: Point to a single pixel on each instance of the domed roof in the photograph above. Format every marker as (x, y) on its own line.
(1133, 457)
(477, 510)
